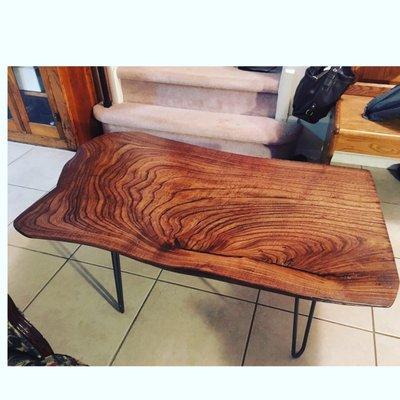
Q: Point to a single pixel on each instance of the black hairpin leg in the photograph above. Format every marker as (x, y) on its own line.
(297, 354)
(118, 280)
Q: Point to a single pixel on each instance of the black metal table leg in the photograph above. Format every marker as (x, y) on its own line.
(297, 354)
(118, 280)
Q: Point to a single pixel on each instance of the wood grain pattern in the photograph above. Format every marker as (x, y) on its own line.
(315, 231)
(390, 75)
(351, 109)
(46, 141)
(358, 135)
(80, 96)
(367, 89)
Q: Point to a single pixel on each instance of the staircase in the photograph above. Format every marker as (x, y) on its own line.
(217, 107)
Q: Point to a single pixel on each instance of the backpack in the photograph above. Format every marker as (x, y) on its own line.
(384, 107)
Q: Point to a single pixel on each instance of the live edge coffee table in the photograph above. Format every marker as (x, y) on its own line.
(311, 231)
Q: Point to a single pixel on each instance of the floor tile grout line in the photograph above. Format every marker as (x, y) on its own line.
(84, 262)
(28, 187)
(206, 291)
(387, 335)
(39, 251)
(373, 335)
(47, 283)
(122, 271)
(133, 322)
(319, 318)
(250, 329)
(13, 161)
(388, 202)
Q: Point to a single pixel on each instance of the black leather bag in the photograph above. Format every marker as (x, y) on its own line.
(384, 107)
(260, 69)
(319, 90)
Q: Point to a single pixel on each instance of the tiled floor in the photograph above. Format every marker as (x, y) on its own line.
(66, 291)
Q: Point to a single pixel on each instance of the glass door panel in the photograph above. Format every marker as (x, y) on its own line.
(32, 104)
(33, 94)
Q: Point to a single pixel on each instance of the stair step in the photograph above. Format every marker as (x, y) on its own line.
(224, 126)
(228, 78)
(199, 98)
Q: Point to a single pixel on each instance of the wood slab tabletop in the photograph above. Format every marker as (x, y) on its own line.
(310, 230)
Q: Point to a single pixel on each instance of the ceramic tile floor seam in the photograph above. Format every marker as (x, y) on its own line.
(52, 277)
(319, 319)
(206, 291)
(250, 329)
(111, 268)
(133, 321)
(13, 161)
(38, 251)
(374, 336)
(27, 187)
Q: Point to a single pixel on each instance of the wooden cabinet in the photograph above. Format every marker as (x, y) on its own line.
(52, 106)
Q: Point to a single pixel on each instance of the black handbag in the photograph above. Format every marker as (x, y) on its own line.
(260, 69)
(384, 107)
(319, 90)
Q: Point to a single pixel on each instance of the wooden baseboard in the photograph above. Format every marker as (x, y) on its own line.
(37, 140)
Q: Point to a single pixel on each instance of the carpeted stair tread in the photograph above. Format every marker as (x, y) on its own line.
(225, 126)
(229, 78)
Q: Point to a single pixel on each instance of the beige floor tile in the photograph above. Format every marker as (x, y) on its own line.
(387, 350)
(19, 199)
(359, 317)
(94, 255)
(363, 159)
(211, 285)
(16, 150)
(39, 168)
(62, 249)
(387, 320)
(182, 326)
(28, 272)
(387, 186)
(391, 212)
(328, 344)
(77, 320)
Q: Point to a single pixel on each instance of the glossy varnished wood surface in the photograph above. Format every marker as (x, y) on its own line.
(311, 230)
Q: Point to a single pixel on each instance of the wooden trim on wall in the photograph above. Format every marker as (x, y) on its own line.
(52, 81)
(80, 93)
(37, 139)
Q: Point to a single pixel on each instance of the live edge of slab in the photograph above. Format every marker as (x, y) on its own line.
(314, 231)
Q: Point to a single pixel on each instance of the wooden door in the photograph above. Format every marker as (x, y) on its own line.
(51, 106)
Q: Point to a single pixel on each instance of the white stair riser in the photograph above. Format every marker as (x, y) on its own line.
(199, 98)
(283, 151)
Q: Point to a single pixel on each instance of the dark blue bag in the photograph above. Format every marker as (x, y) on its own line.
(384, 107)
